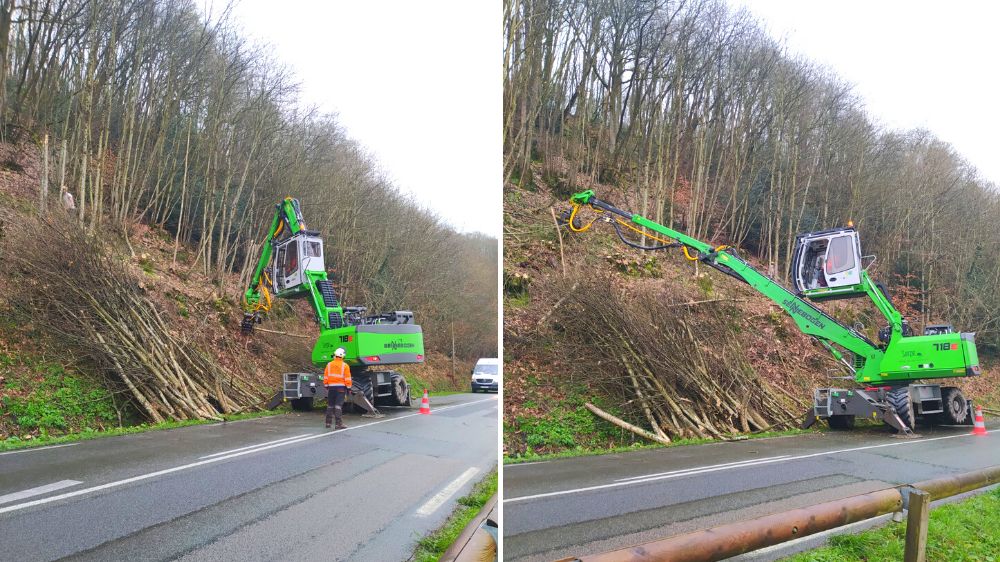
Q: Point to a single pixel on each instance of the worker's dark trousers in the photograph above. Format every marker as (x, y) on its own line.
(335, 396)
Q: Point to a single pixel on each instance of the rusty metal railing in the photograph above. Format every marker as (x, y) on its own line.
(477, 541)
(730, 540)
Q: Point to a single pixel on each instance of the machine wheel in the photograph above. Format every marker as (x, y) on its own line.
(899, 398)
(956, 411)
(840, 423)
(304, 404)
(400, 390)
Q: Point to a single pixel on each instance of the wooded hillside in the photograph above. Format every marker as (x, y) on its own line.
(151, 111)
(707, 124)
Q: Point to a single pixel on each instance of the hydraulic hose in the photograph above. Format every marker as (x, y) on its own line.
(628, 242)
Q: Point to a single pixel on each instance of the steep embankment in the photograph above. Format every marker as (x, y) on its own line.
(647, 336)
(52, 383)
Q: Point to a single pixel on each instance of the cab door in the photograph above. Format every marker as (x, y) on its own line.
(842, 265)
(278, 268)
(292, 269)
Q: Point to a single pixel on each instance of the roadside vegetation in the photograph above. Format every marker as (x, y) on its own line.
(87, 433)
(431, 547)
(963, 531)
(581, 451)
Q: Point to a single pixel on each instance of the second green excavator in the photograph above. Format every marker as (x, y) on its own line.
(291, 265)
(828, 265)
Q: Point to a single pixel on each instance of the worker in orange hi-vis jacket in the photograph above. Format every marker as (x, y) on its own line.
(337, 380)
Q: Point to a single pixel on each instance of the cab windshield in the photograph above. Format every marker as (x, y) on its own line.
(486, 369)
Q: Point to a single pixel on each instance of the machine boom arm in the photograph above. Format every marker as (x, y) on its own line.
(809, 319)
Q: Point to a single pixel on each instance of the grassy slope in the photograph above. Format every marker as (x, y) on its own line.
(964, 531)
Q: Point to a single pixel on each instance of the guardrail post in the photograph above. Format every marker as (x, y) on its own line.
(916, 526)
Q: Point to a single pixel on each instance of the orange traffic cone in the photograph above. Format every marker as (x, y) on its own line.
(425, 405)
(980, 425)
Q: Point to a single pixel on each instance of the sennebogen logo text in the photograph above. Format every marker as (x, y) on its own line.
(394, 345)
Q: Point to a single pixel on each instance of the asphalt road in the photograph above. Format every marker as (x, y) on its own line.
(587, 505)
(275, 488)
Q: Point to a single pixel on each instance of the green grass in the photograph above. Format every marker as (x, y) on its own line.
(563, 424)
(959, 532)
(13, 443)
(581, 451)
(44, 397)
(431, 547)
(445, 392)
(517, 301)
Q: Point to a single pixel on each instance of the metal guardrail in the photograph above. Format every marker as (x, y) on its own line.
(730, 540)
(476, 542)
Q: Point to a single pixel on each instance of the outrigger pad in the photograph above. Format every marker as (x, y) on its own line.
(810, 419)
(359, 399)
(892, 419)
(275, 400)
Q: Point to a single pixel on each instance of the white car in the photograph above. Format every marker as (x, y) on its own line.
(486, 375)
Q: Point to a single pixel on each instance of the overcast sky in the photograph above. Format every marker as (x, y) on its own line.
(417, 83)
(917, 64)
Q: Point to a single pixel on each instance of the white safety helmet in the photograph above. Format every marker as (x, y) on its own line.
(340, 352)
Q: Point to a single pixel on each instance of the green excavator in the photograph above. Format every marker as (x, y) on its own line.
(828, 265)
(291, 266)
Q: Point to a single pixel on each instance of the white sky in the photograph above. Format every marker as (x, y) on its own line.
(417, 83)
(923, 64)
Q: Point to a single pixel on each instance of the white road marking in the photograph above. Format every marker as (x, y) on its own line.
(703, 470)
(255, 446)
(13, 497)
(147, 476)
(448, 491)
(515, 465)
(33, 449)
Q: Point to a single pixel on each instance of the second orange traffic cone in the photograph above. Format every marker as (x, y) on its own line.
(425, 404)
(980, 425)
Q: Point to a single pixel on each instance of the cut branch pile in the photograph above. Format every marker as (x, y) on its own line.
(674, 367)
(80, 289)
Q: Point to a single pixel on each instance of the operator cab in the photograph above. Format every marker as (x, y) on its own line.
(827, 263)
(293, 257)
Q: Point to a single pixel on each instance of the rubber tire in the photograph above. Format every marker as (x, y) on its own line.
(304, 404)
(400, 390)
(840, 423)
(899, 398)
(956, 411)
